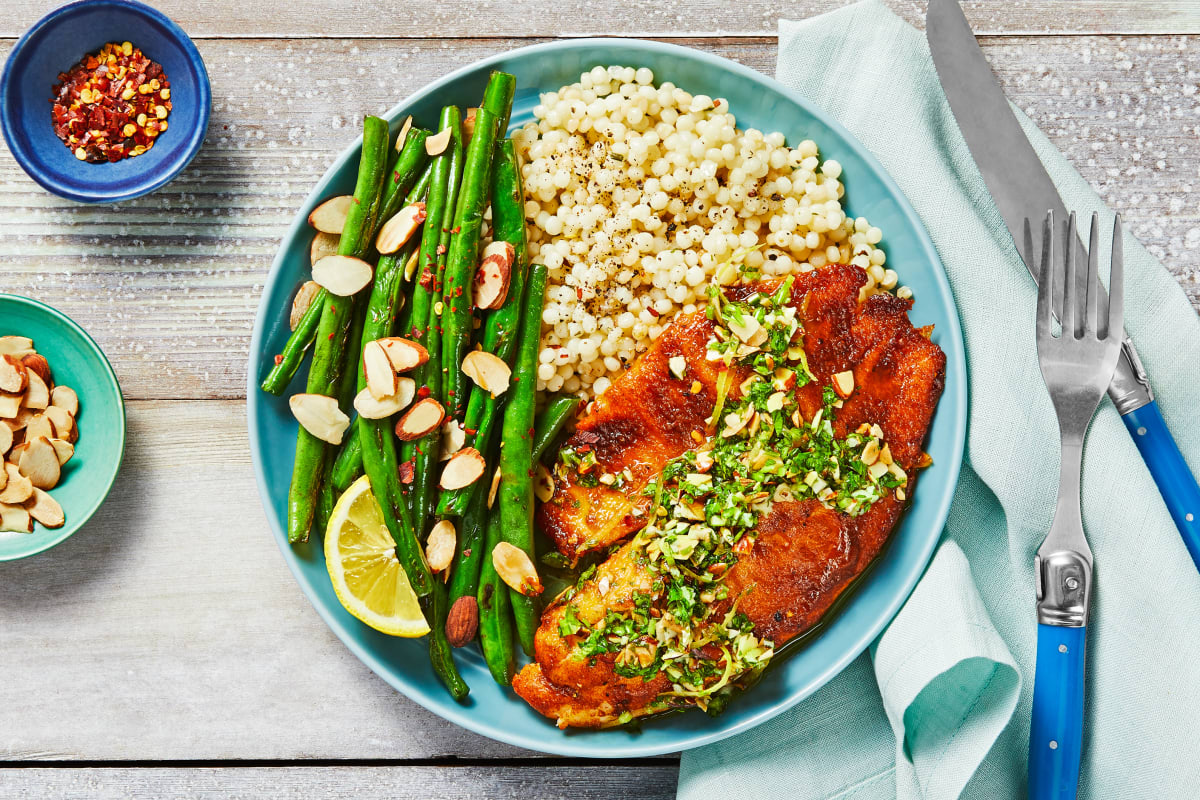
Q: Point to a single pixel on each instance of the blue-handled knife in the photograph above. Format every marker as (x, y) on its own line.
(1022, 189)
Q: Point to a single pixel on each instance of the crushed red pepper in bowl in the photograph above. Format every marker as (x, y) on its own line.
(112, 104)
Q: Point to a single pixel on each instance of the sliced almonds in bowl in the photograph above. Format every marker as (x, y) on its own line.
(37, 435)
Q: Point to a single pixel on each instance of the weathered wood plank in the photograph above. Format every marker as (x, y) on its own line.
(582, 782)
(169, 284)
(169, 627)
(422, 19)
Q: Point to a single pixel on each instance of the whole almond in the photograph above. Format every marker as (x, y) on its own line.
(38, 363)
(463, 621)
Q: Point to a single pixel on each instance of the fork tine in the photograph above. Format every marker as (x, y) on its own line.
(1070, 313)
(1045, 276)
(1091, 324)
(1116, 285)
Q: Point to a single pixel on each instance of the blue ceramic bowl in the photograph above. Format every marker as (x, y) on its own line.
(757, 102)
(54, 45)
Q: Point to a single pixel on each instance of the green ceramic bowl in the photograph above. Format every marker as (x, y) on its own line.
(76, 361)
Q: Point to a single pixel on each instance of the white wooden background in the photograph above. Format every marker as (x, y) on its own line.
(165, 650)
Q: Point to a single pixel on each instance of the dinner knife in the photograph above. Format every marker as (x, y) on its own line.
(1021, 188)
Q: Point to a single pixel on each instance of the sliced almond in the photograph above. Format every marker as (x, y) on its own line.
(40, 464)
(15, 518)
(400, 228)
(3, 476)
(323, 244)
(494, 489)
(469, 123)
(402, 136)
(404, 354)
(64, 423)
(40, 425)
(342, 275)
(303, 301)
(453, 439)
(464, 468)
(16, 346)
(488, 371)
(65, 398)
(18, 423)
(38, 364)
(422, 419)
(747, 329)
(436, 145)
(515, 568)
(439, 547)
(410, 266)
(63, 449)
(45, 509)
(320, 416)
(10, 404)
(370, 407)
(37, 393)
(494, 274)
(843, 384)
(543, 483)
(18, 489)
(330, 216)
(6, 442)
(381, 377)
(13, 375)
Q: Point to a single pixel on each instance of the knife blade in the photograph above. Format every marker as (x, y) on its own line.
(1022, 189)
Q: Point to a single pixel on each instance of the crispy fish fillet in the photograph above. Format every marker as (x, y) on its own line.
(804, 555)
(646, 418)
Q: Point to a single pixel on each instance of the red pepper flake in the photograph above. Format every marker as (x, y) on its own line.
(111, 105)
(427, 279)
(331, 337)
(653, 313)
(456, 229)
(470, 431)
(466, 552)
(579, 292)
(278, 359)
(423, 392)
(441, 249)
(407, 472)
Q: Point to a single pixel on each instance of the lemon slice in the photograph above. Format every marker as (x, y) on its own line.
(367, 577)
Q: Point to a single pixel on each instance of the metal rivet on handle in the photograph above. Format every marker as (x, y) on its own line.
(1189, 516)
(1053, 745)
(1062, 648)
(1141, 431)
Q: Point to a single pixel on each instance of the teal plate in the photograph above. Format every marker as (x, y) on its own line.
(757, 102)
(76, 361)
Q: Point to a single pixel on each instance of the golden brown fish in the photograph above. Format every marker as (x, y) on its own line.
(804, 555)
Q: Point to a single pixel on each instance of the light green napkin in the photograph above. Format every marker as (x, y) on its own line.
(940, 707)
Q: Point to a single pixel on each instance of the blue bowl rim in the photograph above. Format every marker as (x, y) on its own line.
(954, 402)
(195, 140)
(80, 519)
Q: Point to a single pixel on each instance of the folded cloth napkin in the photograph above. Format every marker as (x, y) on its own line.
(939, 708)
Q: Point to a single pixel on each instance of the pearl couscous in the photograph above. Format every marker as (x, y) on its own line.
(638, 194)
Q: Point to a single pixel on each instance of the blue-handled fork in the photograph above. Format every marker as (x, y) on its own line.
(1077, 366)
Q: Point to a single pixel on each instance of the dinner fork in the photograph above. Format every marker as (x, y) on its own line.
(1077, 366)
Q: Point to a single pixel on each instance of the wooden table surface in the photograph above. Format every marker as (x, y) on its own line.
(165, 650)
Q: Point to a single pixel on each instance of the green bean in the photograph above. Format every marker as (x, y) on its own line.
(495, 613)
(348, 467)
(328, 362)
(464, 243)
(439, 209)
(500, 326)
(406, 170)
(558, 410)
(404, 173)
(464, 572)
(516, 456)
(288, 361)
